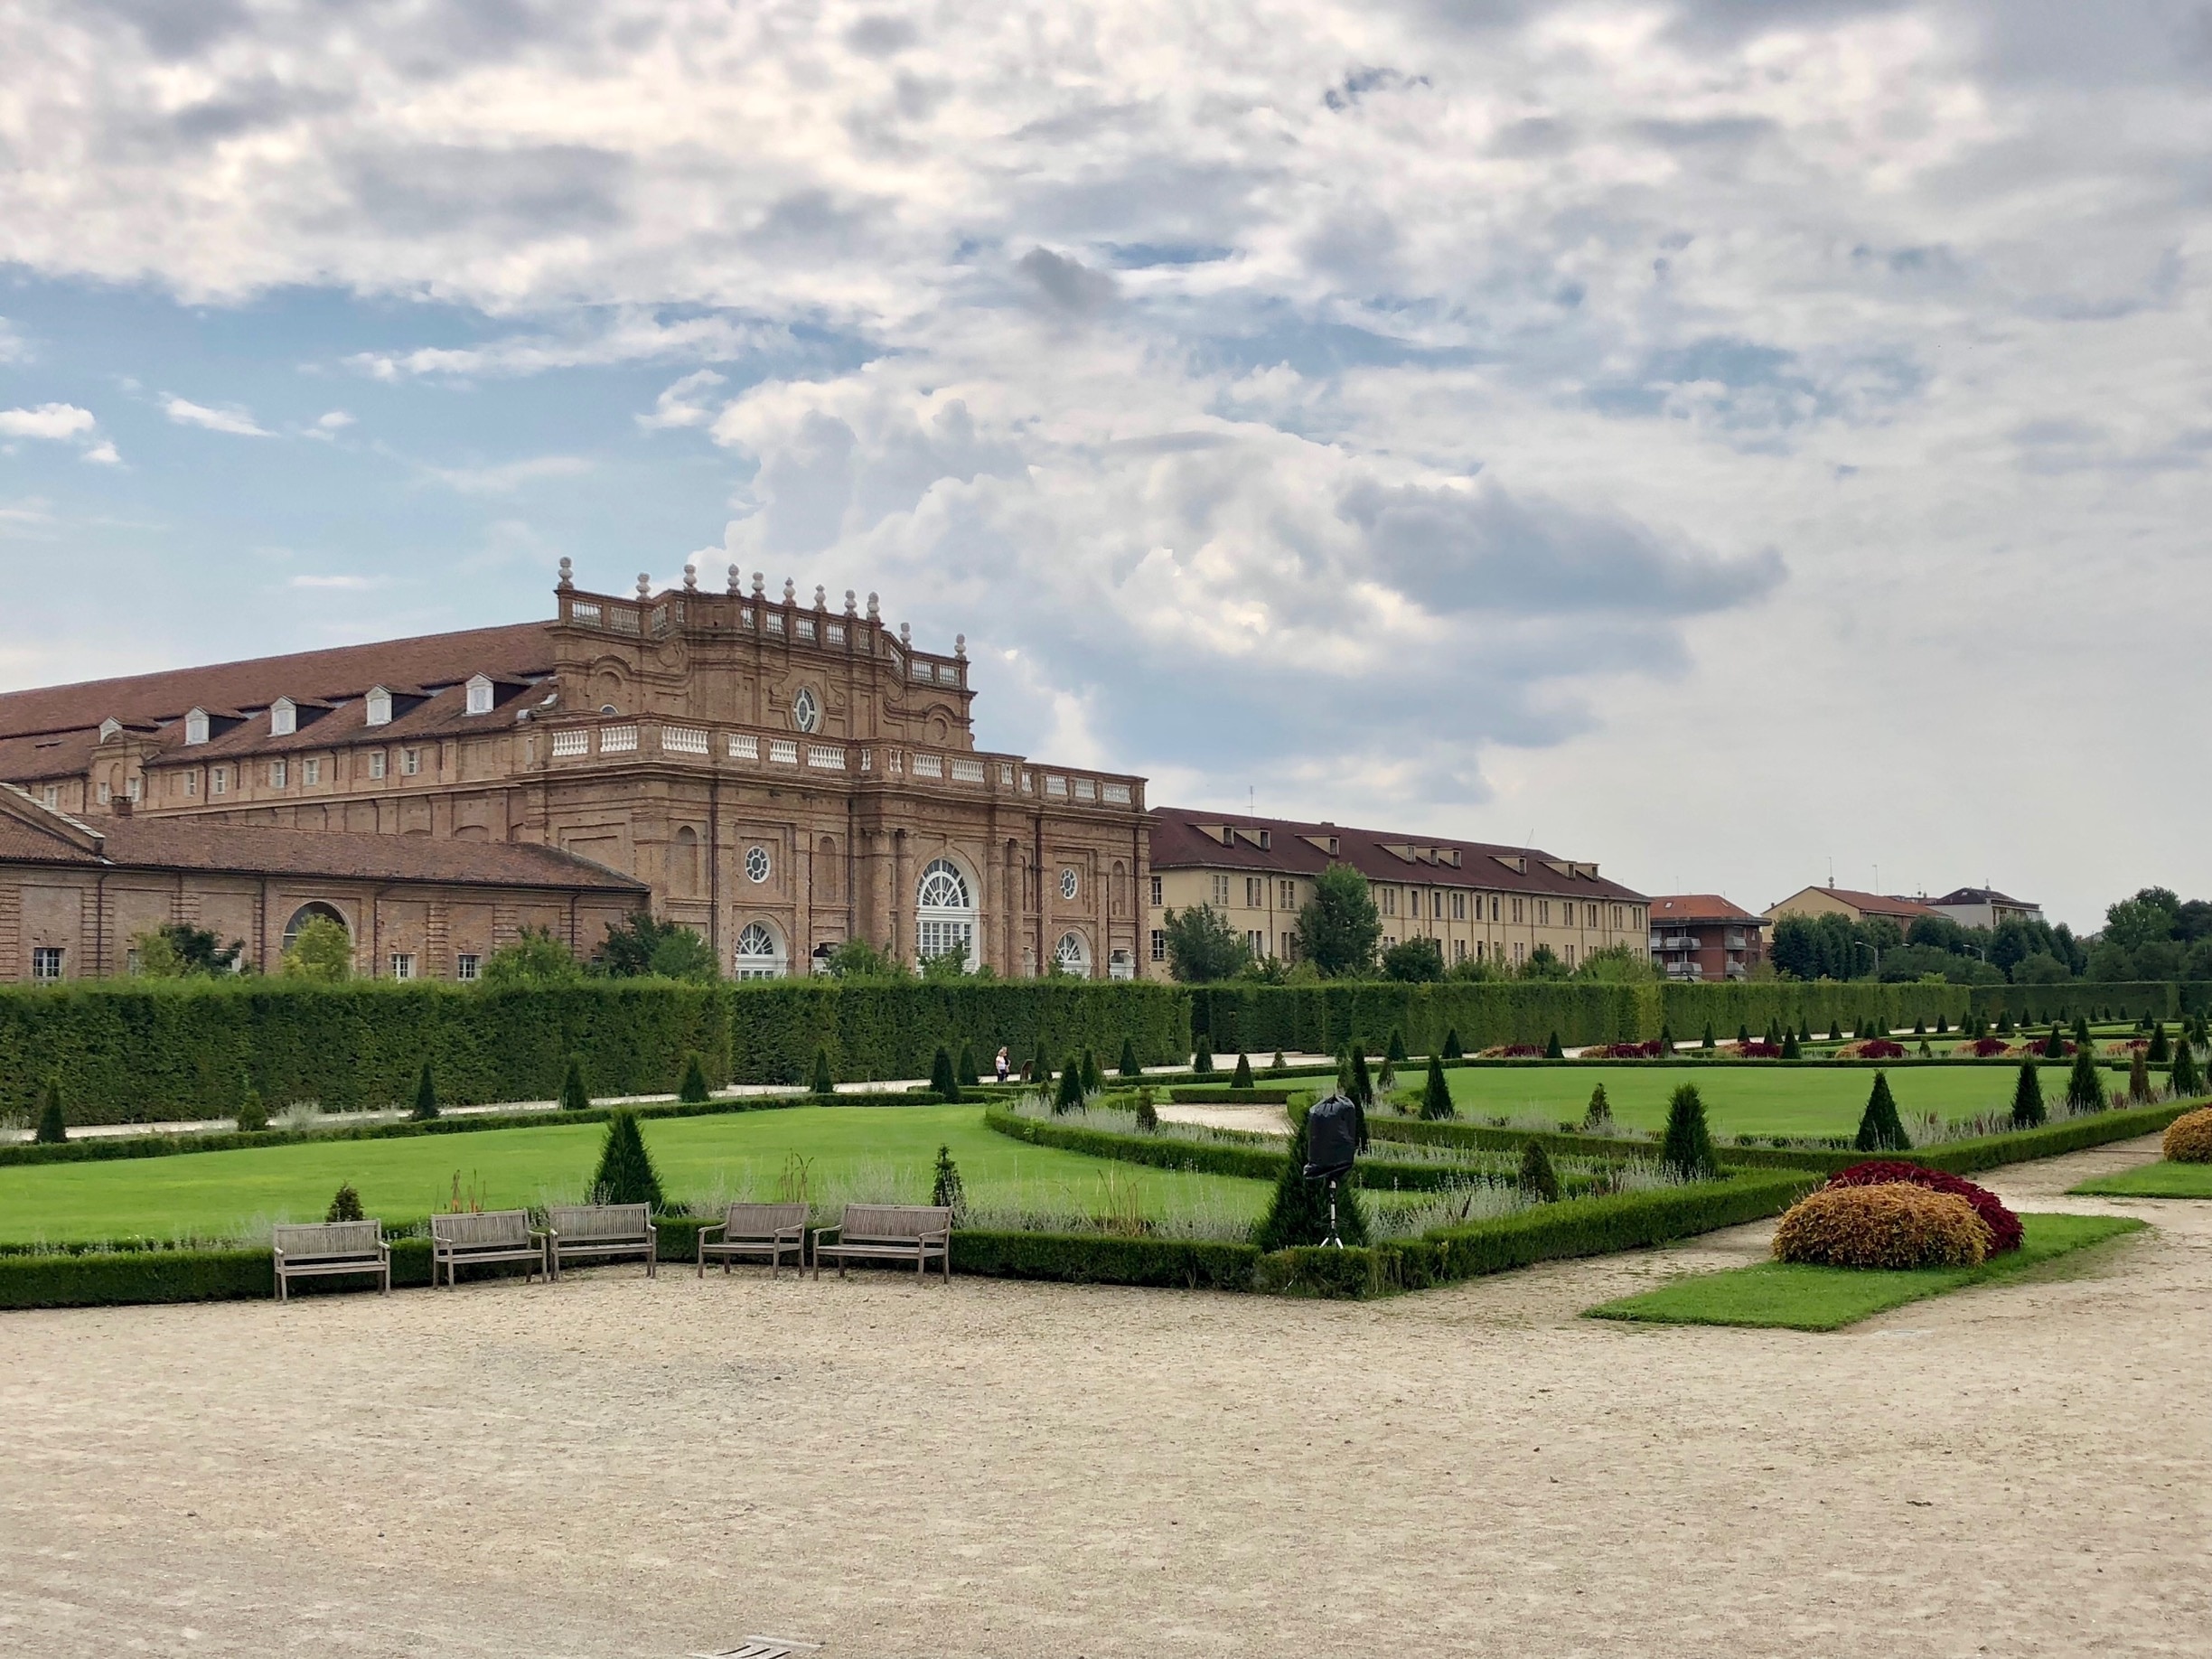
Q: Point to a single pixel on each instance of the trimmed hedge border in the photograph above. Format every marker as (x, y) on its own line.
(1228, 1097)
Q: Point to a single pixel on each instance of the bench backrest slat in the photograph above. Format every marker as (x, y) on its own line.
(484, 1227)
(760, 1221)
(301, 1240)
(600, 1221)
(893, 1221)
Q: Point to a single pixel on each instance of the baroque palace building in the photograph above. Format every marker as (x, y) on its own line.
(780, 775)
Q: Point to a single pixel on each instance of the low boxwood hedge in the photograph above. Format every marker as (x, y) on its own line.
(1256, 1096)
(1088, 1259)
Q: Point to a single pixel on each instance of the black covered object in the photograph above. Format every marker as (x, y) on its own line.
(1336, 1134)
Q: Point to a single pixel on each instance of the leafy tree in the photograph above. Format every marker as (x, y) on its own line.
(825, 1080)
(1619, 964)
(1202, 947)
(321, 951)
(1436, 1092)
(1538, 1178)
(951, 964)
(1474, 969)
(944, 1081)
(1416, 960)
(2148, 918)
(1243, 1078)
(426, 1096)
(1298, 1214)
(1880, 1128)
(52, 1127)
(1544, 963)
(945, 1189)
(631, 947)
(1686, 1152)
(1338, 926)
(1129, 1068)
(856, 959)
(252, 1115)
(179, 951)
(2041, 968)
(574, 1095)
(345, 1204)
(535, 958)
(2085, 1083)
(693, 1090)
(626, 1174)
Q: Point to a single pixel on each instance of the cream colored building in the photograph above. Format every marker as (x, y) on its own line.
(1476, 901)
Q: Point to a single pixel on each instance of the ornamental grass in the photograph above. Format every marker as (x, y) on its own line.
(2004, 1226)
(2189, 1137)
(1889, 1226)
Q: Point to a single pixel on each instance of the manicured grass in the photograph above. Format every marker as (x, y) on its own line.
(857, 1152)
(2158, 1180)
(1740, 1098)
(1819, 1298)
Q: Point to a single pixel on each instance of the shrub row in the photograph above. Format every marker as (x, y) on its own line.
(1202, 1096)
(1260, 1161)
(2130, 1000)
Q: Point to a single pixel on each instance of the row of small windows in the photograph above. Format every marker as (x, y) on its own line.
(1440, 904)
(479, 698)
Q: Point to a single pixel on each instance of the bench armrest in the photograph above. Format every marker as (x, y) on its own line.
(712, 1229)
(823, 1233)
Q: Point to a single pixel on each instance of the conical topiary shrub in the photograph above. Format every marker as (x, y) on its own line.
(693, 1090)
(1243, 1077)
(1743, 1036)
(1708, 1043)
(966, 1068)
(944, 1082)
(1277, 1064)
(345, 1204)
(945, 1188)
(1129, 1068)
(1093, 1080)
(1363, 1085)
(2054, 1045)
(1880, 1128)
(53, 1128)
(1790, 1051)
(2139, 1080)
(426, 1096)
(1394, 1051)
(2028, 1097)
(1070, 1095)
(2186, 1080)
(2085, 1083)
(1298, 1214)
(1201, 1058)
(1687, 1149)
(625, 1174)
(1598, 1116)
(2159, 1051)
(1147, 1114)
(1552, 1051)
(1666, 1039)
(573, 1096)
(1538, 1178)
(252, 1115)
(1452, 1048)
(825, 1080)
(1435, 1093)
(1943, 1026)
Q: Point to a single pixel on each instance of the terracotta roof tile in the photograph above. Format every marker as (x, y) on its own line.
(1687, 907)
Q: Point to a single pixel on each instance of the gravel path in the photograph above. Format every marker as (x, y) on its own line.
(613, 1468)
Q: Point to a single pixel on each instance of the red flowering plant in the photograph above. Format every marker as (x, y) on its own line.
(1873, 1048)
(1984, 1048)
(1512, 1051)
(1759, 1048)
(2003, 1225)
(1625, 1051)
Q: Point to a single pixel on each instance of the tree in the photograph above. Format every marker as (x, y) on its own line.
(2028, 1097)
(1147, 1114)
(1363, 1084)
(1552, 1049)
(856, 959)
(52, 1127)
(1538, 1179)
(638, 946)
(1452, 1048)
(345, 1204)
(626, 1174)
(1243, 1077)
(1620, 964)
(1417, 960)
(1880, 1128)
(2041, 968)
(2148, 918)
(1394, 1049)
(252, 1115)
(1544, 963)
(1129, 1068)
(825, 1080)
(2160, 1051)
(2085, 1083)
(1093, 1081)
(693, 1090)
(1202, 947)
(965, 1070)
(1686, 1152)
(1597, 1117)
(2139, 1080)
(321, 951)
(683, 954)
(944, 1081)
(1790, 1050)
(426, 1096)
(2186, 1080)
(1436, 1092)
(1202, 1056)
(535, 958)
(1070, 1097)
(1338, 926)
(1298, 1214)
(945, 1189)
(179, 951)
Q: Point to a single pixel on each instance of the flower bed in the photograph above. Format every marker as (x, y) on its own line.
(2004, 1226)
(1891, 1225)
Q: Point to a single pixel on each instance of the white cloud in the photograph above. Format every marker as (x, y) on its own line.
(343, 584)
(233, 420)
(506, 477)
(630, 337)
(13, 347)
(102, 453)
(677, 406)
(49, 420)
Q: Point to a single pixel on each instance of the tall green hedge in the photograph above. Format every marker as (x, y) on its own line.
(2041, 1004)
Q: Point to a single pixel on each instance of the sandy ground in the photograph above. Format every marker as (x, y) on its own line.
(613, 1468)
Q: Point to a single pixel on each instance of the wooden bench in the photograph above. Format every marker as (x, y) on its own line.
(486, 1235)
(599, 1232)
(311, 1249)
(755, 1230)
(889, 1232)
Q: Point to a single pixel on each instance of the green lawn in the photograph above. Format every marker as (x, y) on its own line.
(857, 1152)
(1740, 1098)
(2158, 1180)
(1821, 1298)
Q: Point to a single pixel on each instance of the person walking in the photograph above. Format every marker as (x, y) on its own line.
(1002, 1062)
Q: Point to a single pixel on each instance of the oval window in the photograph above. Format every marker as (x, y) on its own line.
(1067, 884)
(757, 864)
(806, 713)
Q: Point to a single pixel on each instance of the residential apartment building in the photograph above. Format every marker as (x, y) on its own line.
(1704, 936)
(1984, 908)
(1855, 905)
(1476, 901)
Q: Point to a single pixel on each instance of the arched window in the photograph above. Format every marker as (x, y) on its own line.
(310, 912)
(760, 953)
(828, 870)
(683, 861)
(1073, 955)
(1117, 889)
(945, 913)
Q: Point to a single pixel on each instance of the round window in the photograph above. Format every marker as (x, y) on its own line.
(1067, 884)
(806, 713)
(757, 864)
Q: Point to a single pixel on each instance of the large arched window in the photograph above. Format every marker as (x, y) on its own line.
(310, 912)
(1072, 954)
(944, 913)
(684, 861)
(760, 953)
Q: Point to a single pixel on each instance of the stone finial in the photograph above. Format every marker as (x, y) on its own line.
(850, 609)
(960, 645)
(906, 635)
(790, 591)
(568, 575)
(690, 577)
(822, 599)
(737, 582)
(644, 585)
(760, 585)
(875, 610)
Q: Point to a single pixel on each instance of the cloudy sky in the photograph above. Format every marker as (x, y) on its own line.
(1718, 439)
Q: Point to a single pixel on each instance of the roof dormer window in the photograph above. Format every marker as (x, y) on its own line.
(109, 727)
(380, 706)
(480, 695)
(284, 717)
(196, 726)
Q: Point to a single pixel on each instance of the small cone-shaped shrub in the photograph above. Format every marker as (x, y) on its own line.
(1201, 1058)
(1790, 1051)
(945, 1189)
(1386, 1079)
(1129, 1068)
(2187, 1081)
(344, 1206)
(1880, 1128)
(1538, 1178)
(426, 1096)
(1835, 1028)
(1298, 1214)
(625, 1174)
(53, 1128)
(944, 1081)
(1687, 1150)
(1395, 1049)
(1452, 1049)
(1597, 1117)
(1435, 1093)
(1243, 1077)
(574, 1095)
(2054, 1045)
(2028, 1097)
(1043, 1074)
(1708, 1043)
(1147, 1114)
(825, 1080)
(1743, 1036)
(693, 1090)
(1666, 1039)
(1363, 1085)
(1343, 1070)
(2004, 1023)
(1774, 1034)
(2159, 1051)
(2081, 1031)
(1943, 1026)
(965, 1070)
(2139, 1080)
(252, 1115)
(1070, 1094)
(2085, 1083)
(1093, 1080)
(1920, 1025)
(1277, 1064)
(1552, 1051)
